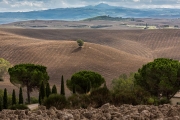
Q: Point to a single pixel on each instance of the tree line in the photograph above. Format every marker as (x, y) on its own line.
(155, 83)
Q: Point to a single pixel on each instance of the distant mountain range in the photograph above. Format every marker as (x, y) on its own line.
(74, 14)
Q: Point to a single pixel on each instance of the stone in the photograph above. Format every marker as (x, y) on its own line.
(106, 112)
(145, 113)
(105, 106)
(68, 116)
(173, 112)
(108, 116)
(42, 107)
(38, 112)
(176, 118)
(51, 112)
(88, 115)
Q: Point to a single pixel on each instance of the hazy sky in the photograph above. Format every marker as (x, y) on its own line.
(30, 5)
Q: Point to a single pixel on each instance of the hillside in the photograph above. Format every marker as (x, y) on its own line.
(145, 43)
(108, 52)
(64, 57)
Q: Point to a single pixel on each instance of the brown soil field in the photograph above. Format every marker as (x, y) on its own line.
(108, 52)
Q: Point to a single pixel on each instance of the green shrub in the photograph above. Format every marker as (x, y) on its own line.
(74, 101)
(164, 101)
(125, 98)
(79, 101)
(18, 107)
(150, 101)
(33, 100)
(100, 96)
(56, 100)
(80, 42)
(84, 101)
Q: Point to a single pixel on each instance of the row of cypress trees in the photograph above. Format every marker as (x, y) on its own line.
(4, 101)
(45, 90)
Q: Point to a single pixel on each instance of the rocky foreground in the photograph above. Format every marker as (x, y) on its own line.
(106, 112)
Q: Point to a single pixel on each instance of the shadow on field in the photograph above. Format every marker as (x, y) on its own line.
(77, 49)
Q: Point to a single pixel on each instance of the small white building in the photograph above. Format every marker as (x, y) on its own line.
(176, 98)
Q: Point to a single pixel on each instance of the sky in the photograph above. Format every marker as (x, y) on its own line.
(31, 5)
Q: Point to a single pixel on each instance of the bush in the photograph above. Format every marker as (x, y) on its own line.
(56, 100)
(74, 101)
(124, 98)
(84, 100)
(33, 100)
(79, 101)
(150, 101)
(18, 107)
(100, 96)
(164, 101)
(80, 42)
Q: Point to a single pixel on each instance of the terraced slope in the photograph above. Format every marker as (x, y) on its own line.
(64, 57)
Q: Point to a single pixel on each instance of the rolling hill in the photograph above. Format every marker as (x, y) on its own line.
(108, 52)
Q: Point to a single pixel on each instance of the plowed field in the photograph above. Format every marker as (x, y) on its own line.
(108, 52)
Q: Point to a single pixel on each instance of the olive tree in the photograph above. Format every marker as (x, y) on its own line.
(29, 76)
(4, 65)
(124, 83)
(84, 81)
(161, 77)
(80, 42)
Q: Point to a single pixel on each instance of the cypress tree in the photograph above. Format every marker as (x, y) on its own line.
(21, 100)
(13, 97)
(48, 90)
(42, 91)
(54, 90)
(62, 86)
(74, 89)
(5, 99)
(1, 104)
(40, 100)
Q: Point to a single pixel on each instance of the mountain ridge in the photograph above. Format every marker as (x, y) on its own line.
(80, 13)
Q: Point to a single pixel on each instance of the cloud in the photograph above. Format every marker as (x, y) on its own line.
(29, 5)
